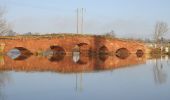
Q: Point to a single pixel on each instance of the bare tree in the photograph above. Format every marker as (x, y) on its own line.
(4, 26)
(161, 28)
(111, 34)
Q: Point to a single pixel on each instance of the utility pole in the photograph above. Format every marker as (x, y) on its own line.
(82, 19)
(77, 20)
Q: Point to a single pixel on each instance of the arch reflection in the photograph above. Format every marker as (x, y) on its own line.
(139, 53)
(103, 50)
(76, 56)
(122, 53)
(57, 50)
(19, 53)
(103, 57)
(79, 58)
(65, 64)
(56, 58)
(55, 53)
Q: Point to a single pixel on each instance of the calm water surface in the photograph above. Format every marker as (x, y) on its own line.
(84, 78)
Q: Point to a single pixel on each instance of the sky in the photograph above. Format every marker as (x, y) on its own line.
(128, 18)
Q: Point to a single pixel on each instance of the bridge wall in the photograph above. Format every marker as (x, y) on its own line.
(68, 43)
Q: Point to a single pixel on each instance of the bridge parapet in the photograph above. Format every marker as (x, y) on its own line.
(95, 44)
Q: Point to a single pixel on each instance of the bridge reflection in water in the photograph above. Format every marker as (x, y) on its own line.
(69, 64)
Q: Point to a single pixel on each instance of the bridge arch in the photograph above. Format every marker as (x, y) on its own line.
(139, 53)
(56, 53)
(19, 53)
(23, 50)
(103, 50)
(82, 48)
(57, 50)
(122, 53)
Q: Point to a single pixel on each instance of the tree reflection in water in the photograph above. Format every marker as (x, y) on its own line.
(160, 75)
(4, 79)
(167, 59)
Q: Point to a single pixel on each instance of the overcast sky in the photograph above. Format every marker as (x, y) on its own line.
(128, 18)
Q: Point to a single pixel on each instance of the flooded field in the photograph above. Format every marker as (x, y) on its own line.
(79, 77)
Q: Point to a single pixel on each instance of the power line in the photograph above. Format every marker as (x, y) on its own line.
(80, 21)
(77, 20)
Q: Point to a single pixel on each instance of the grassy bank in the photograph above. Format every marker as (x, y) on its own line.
(64, 35)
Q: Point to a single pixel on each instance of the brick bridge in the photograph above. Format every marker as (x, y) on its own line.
(69, 43)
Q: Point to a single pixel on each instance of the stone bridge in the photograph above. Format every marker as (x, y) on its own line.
(68, 44)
